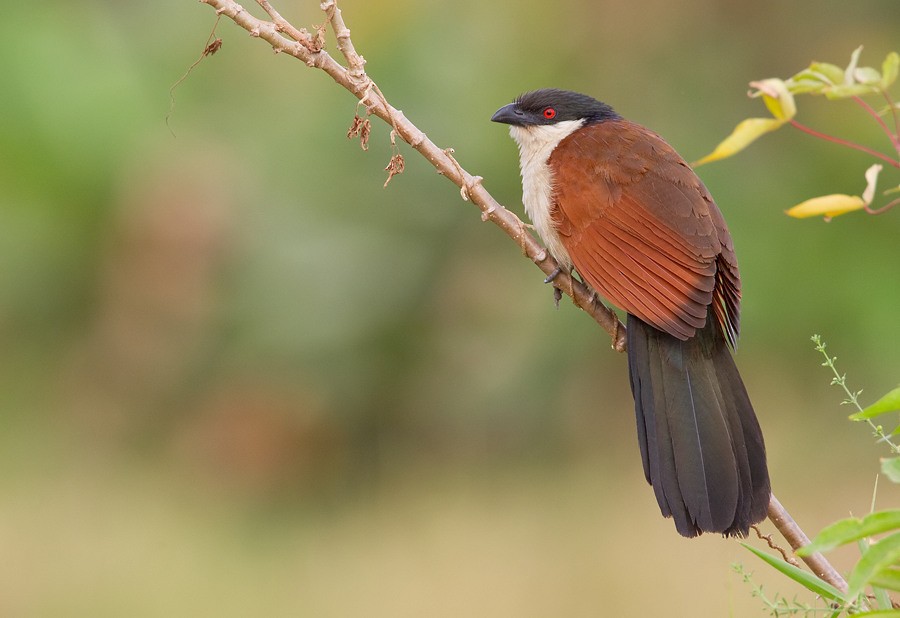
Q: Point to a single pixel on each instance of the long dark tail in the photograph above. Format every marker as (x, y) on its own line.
(700, 441)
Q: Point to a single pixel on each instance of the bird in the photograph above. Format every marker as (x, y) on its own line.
(615, 202)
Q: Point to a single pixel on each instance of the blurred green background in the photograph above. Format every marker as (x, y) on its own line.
(240, 378)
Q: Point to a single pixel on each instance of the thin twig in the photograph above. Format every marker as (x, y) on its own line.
(773, 545)
(213, 44)
(886, 207)
(843, 142)
(893, 107)
(895, 142)
(342, 34)
(840, 379)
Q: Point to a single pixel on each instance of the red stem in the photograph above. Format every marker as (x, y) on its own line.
(878, 211)
(844, 142)
(895, 142)
(893, 106)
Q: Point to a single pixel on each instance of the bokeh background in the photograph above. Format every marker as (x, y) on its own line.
(240, 378)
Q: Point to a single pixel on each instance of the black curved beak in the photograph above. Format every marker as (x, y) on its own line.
(509, 114)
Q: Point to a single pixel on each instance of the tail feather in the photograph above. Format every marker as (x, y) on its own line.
(701, 444)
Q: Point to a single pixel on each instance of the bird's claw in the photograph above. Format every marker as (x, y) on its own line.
(556, 272)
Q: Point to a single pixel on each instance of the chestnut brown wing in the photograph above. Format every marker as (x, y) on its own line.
(642, 229)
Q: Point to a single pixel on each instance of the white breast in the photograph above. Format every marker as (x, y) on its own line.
(535, 145)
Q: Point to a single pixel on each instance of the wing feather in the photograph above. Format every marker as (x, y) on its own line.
(642, 229)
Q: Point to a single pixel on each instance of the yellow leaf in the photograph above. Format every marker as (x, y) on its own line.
(827, 206)
(743, 135)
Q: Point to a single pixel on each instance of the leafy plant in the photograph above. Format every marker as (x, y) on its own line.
(878, 569)
(833, 82)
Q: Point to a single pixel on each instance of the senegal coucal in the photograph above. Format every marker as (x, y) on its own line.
(616, 202)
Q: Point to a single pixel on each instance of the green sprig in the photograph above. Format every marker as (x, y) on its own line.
(852, 398)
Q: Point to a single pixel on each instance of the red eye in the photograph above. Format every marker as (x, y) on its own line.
(549, 113)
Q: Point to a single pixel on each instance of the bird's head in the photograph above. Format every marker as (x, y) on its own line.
(540, 119)
(550, 106)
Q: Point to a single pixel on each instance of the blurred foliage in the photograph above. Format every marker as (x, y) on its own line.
(239, 377)
(835, 83)
(876, 573)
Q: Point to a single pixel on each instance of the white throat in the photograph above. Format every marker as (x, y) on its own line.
(535, 143)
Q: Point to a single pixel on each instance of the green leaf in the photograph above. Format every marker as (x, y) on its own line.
(805, 579)
(807, 81)
(867, 75)
(888, 403)
(881, 613)
(882, 598)
(889, 70)
(833, 73)
(852, 529)
(890, 467)
(881, 555)
(845, 91)
(747, 132)
(888, 578)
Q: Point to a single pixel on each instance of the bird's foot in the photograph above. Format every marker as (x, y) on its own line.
(557, 293)
(556, 272)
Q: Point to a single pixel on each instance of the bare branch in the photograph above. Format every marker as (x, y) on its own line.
(794, 535)
(357, 82)
(356, 62)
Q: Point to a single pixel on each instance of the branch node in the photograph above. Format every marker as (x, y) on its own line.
(465, 190)
(417, 139)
